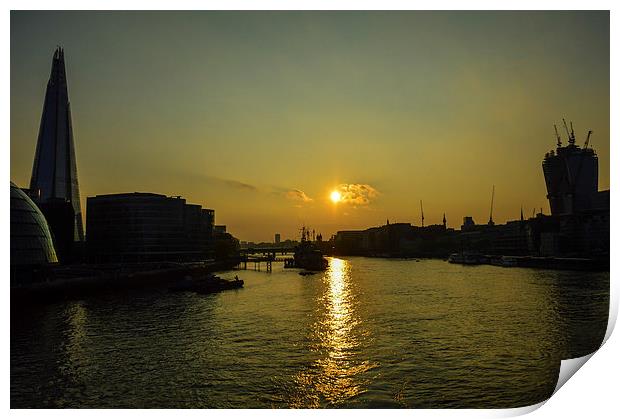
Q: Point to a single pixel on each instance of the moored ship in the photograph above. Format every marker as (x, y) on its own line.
(307, 256)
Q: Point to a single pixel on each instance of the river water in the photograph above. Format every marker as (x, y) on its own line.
(365, 333)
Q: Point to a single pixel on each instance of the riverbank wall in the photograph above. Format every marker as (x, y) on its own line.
(80, 281)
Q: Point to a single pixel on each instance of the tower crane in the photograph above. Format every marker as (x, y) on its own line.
(557, 135)
(585, 145)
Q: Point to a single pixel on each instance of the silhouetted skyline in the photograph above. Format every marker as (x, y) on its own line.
(262, 115)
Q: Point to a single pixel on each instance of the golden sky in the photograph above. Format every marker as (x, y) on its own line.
(261, 115)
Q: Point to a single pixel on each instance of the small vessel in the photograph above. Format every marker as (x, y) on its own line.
(509, 261)
(208, 284)
(306, 273)
(465, 258)
(456, 258)
(496, 261)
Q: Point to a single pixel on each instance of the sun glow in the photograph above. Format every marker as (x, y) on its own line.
(335, 197)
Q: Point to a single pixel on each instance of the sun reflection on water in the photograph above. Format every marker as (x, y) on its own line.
(336, 375)
(75, 345)
(339, 317)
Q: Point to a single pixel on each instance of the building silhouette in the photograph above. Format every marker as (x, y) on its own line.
(578, 226)
(32, 248)
(571, 177)
(147, 227)
(54, 182)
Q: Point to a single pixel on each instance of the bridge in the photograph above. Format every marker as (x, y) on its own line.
(263, 254)
(266, 250)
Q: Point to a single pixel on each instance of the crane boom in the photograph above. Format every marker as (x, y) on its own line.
(422, 212)
(566, 128)
(587, 140)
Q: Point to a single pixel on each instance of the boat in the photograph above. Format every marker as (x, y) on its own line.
(496, 261)
(208, 284)
(465, 258)
(307, 255)
(306, 273)
(509, 261)
(309, 258)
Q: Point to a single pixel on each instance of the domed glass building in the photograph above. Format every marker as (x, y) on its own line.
(31, 240)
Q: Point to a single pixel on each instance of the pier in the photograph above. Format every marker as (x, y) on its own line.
(268, 255)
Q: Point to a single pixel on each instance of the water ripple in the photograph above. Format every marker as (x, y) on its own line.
(366, 333)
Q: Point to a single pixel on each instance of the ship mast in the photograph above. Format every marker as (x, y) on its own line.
(491, 214)
(422, 212)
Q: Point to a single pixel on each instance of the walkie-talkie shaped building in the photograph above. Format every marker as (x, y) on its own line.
(571, 177)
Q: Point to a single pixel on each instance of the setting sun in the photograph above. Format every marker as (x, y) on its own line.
(335, 197)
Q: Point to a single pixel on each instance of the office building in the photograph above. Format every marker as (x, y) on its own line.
(143, 227)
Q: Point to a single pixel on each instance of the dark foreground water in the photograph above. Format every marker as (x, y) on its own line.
(366, 333)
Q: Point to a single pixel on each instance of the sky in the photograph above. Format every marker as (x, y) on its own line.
(262, 115)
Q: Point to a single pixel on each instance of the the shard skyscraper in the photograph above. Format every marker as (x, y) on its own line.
(54, 182)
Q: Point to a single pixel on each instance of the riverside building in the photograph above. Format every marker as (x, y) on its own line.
(147, 227)
(32, 249)
(578, 226)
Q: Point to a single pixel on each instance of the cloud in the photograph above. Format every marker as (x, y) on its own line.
(235, 184)
(357, 193)
(297, 195)
(238, 185)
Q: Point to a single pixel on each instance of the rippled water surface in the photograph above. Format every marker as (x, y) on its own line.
(366, 333)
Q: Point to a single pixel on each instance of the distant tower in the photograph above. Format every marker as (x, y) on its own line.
(422, 213)
(444, 220)
(521, 213)
(54, 182)
(491, 223)
(277, 238)
(571, 175)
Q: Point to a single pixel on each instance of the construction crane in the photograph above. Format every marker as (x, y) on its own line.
(557, 135)
(587, 140)
(491, 214)
(567, 133)
(422, 212)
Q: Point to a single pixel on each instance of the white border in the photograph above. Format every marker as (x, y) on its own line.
(591, 393)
